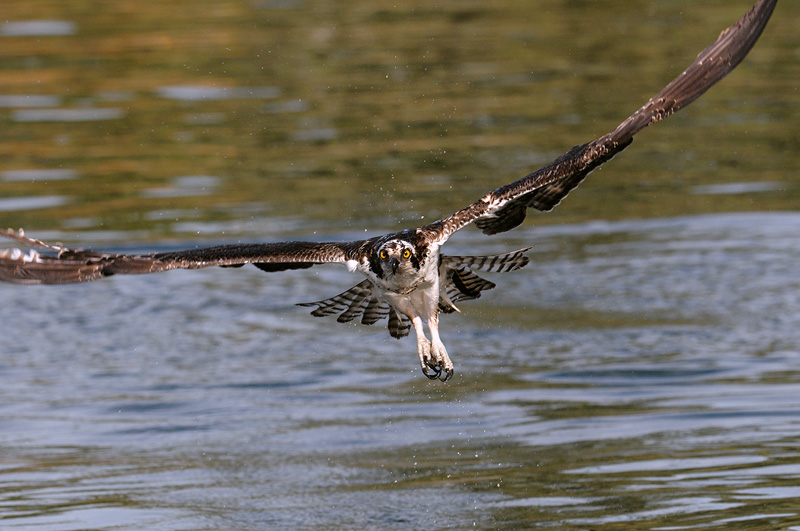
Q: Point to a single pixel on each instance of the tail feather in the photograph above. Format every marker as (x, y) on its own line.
(399, 324)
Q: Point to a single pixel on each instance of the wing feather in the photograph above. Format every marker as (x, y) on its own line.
(360, 300)
(374, 311)
(506, 207)
(499, 263)
(462, 285)
(459, 282)
(60, 265)
(351, 303)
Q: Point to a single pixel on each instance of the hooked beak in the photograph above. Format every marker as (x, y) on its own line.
(395, 263)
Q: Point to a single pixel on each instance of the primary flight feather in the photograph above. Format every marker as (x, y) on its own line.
(408, 280)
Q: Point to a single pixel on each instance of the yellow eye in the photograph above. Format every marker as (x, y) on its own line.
(406, 253)
(383, 255)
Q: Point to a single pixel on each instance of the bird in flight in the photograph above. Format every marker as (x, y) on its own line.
(408, 279)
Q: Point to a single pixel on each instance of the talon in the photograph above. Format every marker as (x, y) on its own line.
(432, 375)
(446, 375)
(433, 364)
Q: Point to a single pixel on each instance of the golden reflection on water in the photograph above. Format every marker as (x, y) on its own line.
(375, 113)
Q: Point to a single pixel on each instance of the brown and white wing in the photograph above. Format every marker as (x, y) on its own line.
(55, 264)
(506, 207)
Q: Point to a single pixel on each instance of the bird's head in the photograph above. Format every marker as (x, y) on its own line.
(397, 257)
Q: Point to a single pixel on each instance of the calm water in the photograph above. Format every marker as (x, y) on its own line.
(642, 373)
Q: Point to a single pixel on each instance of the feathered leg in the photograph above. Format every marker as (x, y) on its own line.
(433, 356)
(441, 361)
(424, 349)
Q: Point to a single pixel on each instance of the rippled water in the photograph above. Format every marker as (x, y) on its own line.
(641, 373)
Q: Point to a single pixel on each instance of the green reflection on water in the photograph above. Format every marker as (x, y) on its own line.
(385, 113)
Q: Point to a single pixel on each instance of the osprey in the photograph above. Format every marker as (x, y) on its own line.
(408, 279)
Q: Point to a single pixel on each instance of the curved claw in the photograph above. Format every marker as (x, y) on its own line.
(445, 374)
(435, 363)
(434, 374)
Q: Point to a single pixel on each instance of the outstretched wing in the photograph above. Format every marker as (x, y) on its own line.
(56, 264)
(506, 207)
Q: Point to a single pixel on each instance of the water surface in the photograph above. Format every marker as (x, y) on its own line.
(646, 374)
(641, 373)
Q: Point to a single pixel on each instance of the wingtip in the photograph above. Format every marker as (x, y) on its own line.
(19, 236)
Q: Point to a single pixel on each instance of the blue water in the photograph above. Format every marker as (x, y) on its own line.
(639, 373)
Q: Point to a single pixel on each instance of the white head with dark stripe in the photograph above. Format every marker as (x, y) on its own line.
(397, 258)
